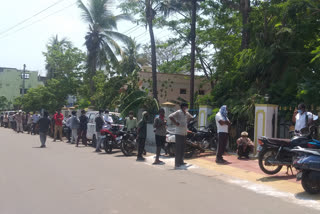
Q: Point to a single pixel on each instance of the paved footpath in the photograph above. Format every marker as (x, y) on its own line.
(64, 179)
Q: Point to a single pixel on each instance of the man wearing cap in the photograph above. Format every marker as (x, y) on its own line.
(180, 118)
(58, 118)
(245, 145)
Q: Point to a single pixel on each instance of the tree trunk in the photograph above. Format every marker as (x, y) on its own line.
(193, 49)
(149, 17)
(245, 10)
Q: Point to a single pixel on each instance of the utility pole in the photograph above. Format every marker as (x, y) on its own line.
(23, 79)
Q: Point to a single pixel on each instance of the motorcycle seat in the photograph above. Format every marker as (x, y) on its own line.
(279, 141)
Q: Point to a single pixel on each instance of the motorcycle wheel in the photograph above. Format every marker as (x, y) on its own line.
(127, 148)
(171, 149)
(269, 169)
(309, 185)
(107, 147)
(189, 153)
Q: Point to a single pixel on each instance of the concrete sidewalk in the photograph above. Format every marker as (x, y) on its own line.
(245, 171)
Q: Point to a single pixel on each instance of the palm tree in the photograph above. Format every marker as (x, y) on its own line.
(101, 37)
(57, 45)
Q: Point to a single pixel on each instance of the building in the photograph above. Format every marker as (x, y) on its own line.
(11, 82)
(174, 88)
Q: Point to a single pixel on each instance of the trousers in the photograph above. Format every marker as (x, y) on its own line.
(222, 143)
(74, 135)
(43, 138)
(180, 148)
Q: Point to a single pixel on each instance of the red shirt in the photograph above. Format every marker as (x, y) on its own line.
(58, 118)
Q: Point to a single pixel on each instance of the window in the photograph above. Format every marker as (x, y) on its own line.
(26, 76)
(183, 91)
(25, 90)
(201, 92)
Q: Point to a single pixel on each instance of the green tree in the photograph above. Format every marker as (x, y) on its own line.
(3, 102)
(101, 37)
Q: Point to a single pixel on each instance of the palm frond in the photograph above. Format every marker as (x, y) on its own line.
(86, 15)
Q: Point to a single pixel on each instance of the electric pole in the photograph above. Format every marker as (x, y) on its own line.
(23, 79)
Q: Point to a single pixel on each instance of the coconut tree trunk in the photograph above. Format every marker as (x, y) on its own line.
(245, 10)
(193, 49)
(149, 16)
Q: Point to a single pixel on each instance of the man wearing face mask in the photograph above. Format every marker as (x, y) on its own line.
(131, 122)
(180, 118)
(301, 118)
(223, 124)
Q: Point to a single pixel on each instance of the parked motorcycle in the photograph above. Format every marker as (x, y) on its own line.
(197, 140)
(112, 139)
(308, 164)
(170, 145)
(129, 142)
(277, 152)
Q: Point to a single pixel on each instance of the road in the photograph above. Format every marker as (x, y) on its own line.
(65, 179)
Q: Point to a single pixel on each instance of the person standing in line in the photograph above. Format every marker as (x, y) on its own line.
(29, 122)
(58, 118)
(223, 125)
(142, 135)
(160, 125)
(44, 124)
(302, 119)
(35, 118)
(18, 119)
(180, 118)
(99, 126)
(131, 122)
(1, 119)
(107, 119)
(74, 125)
(68, 125)
(11, 120)
(83, 128)
(6, 120)
(24, 121)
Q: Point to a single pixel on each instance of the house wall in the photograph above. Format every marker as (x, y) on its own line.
(11, 82)
(169, 85)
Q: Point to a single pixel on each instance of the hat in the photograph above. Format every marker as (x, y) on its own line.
(20, 111)
(244, 134)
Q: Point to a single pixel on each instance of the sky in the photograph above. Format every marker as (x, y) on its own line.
(27, 26)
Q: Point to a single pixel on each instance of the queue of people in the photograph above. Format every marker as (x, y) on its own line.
(20, 122)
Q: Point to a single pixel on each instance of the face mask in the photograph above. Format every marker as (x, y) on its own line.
(300, 111)
(107, 114)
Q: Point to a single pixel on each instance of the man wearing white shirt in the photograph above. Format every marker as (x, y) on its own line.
(223, 124)
(301, 118)
(107, 119)
(180, 118)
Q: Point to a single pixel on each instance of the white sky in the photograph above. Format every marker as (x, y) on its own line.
(25, 43)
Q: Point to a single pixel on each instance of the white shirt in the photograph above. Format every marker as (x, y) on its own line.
(301, 120)
(35, 118)
(221, 128)
(107, 119)
(182, 118)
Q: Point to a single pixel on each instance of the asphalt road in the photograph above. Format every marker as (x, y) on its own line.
(63, 179)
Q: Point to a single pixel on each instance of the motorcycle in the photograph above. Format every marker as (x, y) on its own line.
(197, 141)
(308, 164)
(129, 142)
(112, 139)
(277, 152)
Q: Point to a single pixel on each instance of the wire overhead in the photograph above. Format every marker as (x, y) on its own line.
(27, 19)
